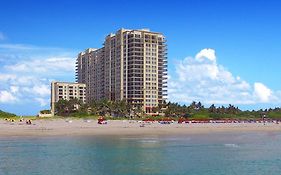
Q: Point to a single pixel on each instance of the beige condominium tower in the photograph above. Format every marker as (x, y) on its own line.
(66, 91)
(131, 66)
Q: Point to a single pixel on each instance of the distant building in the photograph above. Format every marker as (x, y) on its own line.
(131, 66)
(67, 91)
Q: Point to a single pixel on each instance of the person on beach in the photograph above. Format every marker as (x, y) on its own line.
(28, 122)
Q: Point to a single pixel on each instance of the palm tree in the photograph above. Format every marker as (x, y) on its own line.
(74, 104)
(62, 107)
(212, 108)
(105, 107)
(123, 108)
(138, 111)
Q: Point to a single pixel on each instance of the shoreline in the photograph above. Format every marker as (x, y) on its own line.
(79, 127)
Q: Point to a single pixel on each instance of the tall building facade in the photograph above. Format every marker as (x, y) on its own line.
(131, 66)
(66, 91)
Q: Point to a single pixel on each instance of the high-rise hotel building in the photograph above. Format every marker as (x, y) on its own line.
(131, 66)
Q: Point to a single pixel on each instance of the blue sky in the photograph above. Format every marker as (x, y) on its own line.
(39, 41)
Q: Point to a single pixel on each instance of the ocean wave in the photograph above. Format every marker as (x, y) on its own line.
(148, 141)
(138, 138)
(231, 145)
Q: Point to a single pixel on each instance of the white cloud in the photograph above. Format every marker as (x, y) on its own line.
(7, 97)
(26, 47)
(42, 66)
(210, 54)
(41, 90)
(203, 79)
(7, 77)
(43, 102)
(262, 92)
(16, 47)
(27, 71)
(30, 89)
(14, 89)
(196, 69)
(24, 87)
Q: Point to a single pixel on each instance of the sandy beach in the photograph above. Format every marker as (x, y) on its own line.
(74, 127)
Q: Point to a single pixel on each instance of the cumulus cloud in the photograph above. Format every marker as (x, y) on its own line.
(27, 71)
(14, 89)
(7, 97)
(42, 90)
(262, 92)
(7, 77)
(37, 89)
(24, 87)
(206, 53)
(202, 79)
(42, 101)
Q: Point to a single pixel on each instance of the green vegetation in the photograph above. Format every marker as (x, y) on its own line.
(195, 111)
(121, 111)
(46, 111)
(109, 109)
(10, 116)
(6, 114)
(274, 114)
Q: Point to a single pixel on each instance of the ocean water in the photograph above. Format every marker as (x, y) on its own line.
(202, 154)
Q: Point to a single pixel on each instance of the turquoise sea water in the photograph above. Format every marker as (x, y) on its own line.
(212, 154)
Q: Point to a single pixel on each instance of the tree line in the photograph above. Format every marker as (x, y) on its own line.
(119, 109)
(6, 114)
(195, 110)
